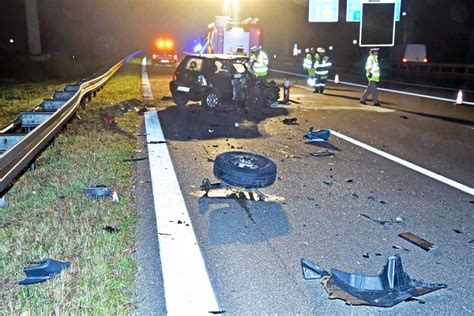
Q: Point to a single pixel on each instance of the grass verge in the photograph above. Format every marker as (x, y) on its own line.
(49, 217)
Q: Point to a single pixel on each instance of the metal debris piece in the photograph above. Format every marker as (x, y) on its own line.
(97, 191)
(400, 248)
(43, 271)
(390, 287)
(322, 153)
(290, 121)
(321, 135)
(235, 193)
(385, 224)
(418, 241)
(311, 271)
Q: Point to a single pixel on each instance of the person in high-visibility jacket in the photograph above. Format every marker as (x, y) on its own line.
(372, 70)
(259, 62)
(321, 66)
(308, 64)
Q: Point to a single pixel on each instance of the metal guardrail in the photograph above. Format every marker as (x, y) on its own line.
(460, 71)
(44, 122)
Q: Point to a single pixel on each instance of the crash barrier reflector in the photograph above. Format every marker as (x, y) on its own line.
(336, 79)
(44, 122)
(459, 98)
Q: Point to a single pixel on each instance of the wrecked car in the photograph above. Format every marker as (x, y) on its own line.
(213, 79)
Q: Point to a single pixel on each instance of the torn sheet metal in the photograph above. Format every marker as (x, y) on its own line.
(390, 287)
(43, 271)
(420, 242)
(218, 190)
(99, 191)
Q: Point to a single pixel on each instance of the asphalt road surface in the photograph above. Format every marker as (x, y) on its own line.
(252, 250)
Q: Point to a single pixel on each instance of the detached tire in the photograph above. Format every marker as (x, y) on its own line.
(245, 169)
(212, 99)
(179, 99)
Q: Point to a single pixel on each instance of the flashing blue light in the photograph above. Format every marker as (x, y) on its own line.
(197, 48)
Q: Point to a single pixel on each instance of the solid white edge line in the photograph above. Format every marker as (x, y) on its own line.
(147, 94)
(188, 290)
(381, 89)
(407, 164)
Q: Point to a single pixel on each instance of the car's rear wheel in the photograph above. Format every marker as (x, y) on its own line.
(212, 99)
(179, 99)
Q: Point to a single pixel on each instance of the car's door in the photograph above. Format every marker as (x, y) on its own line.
(221, 77)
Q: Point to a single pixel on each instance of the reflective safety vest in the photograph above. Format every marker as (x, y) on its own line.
(308, 64)
(322, 65)
(259, 64)
(372, 67)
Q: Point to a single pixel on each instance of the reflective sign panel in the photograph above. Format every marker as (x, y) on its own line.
(377, 25)
(323, 10)
(354, 8)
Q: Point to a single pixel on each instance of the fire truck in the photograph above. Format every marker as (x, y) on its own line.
(226, 35)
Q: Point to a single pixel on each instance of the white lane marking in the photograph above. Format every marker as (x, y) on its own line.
(147, 94)
(380, 89)
(407, 164)
(188, 290)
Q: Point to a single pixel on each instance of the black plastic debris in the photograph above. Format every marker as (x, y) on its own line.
(142, 110)
(418, 241)
(135, 159)
(400, 248)
(404, 117)
(100, 191)
(290, 121)
(321, 135)
(111, 229)
(390, 287)
(457, 231)
(43, 270)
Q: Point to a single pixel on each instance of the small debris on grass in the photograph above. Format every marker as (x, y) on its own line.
(416, 240)
(111, 229)
(115, 198)
(97, 191)
(135, 159)
(404, 117)
(290, 121)
(130, 250)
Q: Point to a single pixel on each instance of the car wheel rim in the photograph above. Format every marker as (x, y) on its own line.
(212, 100)
(245, 162)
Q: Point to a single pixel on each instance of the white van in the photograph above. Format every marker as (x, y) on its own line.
(409, 53)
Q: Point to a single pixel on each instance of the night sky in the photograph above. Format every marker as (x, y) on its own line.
(115, 27)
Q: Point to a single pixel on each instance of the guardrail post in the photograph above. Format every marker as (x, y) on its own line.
(32, 166)
(88, 97)
(94, 93)
(3, 200)
(83, 103)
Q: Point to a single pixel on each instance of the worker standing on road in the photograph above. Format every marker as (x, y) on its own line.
(308, 64)
(373, 75)
(322, 70)
(259, 62)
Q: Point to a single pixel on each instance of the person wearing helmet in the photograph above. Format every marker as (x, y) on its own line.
(373, 75)
(322, 65)
(308, 64)
(259, 62)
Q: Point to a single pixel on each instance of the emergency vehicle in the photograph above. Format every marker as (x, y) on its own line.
(226, 35)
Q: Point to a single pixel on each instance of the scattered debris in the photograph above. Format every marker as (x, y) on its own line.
(97, 191)
(166, 98)
(322, 153)
(383, 223)
(211, 131)
(111, 229)
(321, 135)
(236, 124)
(290, 121)
(400, 248)
(472, 202)
(115, 198)
(328, 183)
(418, 241)
(471, 241)
(135, 159)
(217, 190)
(142, 110)
(130, 250)
(355, 195)
(404, 117)
(457, 231)
(311, 199)
(365, 255)
(390, 287)
(399, 219)
(349, 180)
(157, 142)
(43, 271)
